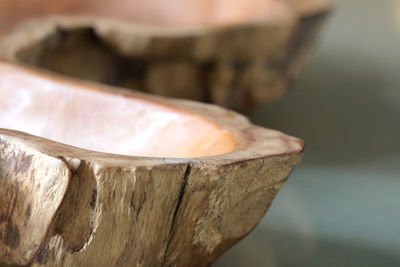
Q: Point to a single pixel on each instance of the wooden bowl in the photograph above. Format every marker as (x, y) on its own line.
(96, 176)
(234, 53)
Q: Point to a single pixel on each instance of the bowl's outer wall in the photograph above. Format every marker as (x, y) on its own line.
(100, 213)
(235, 67)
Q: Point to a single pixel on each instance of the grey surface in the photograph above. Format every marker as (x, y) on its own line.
(341, 206)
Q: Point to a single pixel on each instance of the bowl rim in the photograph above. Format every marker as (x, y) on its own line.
(251, 141)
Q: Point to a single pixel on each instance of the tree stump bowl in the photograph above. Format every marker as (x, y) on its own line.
(234, 53)
(97, 176)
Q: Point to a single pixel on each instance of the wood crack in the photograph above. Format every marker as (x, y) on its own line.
(257, 172)
(179, 202)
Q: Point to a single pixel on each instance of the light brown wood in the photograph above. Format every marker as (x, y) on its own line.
(94, 175)
(195, 179)
(235, 53)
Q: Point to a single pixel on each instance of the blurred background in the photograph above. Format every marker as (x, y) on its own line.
(341, 206)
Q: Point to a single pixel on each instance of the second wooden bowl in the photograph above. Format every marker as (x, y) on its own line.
(237, 54)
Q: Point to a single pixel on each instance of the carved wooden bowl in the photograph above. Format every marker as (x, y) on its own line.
(234, 53)
(97, 176)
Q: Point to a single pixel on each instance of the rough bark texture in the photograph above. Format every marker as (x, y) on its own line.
(61, 205)
(66, 206)
(238, 67)
(73, 209)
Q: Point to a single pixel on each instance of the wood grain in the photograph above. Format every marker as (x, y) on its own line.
(249, 58)
(62, 205)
